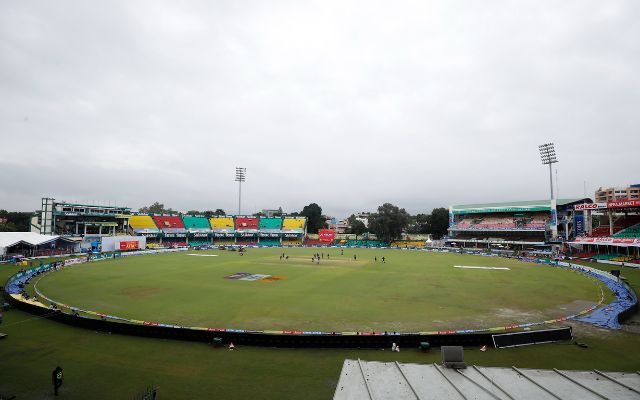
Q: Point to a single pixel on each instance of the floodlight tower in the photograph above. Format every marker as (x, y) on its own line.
(241, 174)
(548, 156)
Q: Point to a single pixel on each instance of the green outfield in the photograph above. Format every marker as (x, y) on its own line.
(411, 291)
(103, 366)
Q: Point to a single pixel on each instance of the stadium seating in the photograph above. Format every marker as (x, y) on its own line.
(269, 242)
(199, 242)
(168, 222)
(295, 224)
(142, 222)
(270, 224)
(246, 223)
(172, 244)
(534, 221)
(246, 242)
(314, 242)
(223, 241)
(584, 255)
(411, 244)
(619, 226)
(222, 223)
(630, 232)
(196, 223)
(365, 243)
(291, 242)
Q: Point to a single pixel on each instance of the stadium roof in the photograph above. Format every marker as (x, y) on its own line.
(393, 380)
(514, 206)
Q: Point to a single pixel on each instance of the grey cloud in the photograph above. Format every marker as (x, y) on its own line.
(348, 104)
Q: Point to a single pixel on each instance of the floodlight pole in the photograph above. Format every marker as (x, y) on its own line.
(551, 180)
(241, 174)
(548, 156)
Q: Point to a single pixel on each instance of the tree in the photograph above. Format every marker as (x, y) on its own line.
(389, 222)
(219, 211)
(15, 221)
(315, 220)
(156, 208)
(356, 226)
(438, 222)
(418, 224)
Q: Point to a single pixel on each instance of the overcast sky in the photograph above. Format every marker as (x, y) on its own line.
(349, 104)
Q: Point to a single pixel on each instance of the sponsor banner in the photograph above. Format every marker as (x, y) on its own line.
(624, 203)
(150, 235)
(199, 235)
(129, 245)
(554, 214)
(578, 225)
(589, 206)
(174, 235)
(246, 234)
(269, 235)
(608, 241)
(326, 235)
(223, 234)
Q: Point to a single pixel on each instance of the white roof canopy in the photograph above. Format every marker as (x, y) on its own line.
(8, 239)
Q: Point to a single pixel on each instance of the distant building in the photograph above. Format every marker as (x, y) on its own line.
(363, 217)
(272, 213)
(340, 226)
(602, 195)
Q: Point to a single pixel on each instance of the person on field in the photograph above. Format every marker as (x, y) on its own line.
(56, 379)
(383, 260)
(355, 257)
(375, 259)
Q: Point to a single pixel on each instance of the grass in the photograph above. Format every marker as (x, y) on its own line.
(102, 366)
(412, 291)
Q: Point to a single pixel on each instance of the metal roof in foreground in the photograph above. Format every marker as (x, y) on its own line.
(393, 380)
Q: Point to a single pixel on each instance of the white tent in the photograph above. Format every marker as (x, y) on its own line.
(8, 239)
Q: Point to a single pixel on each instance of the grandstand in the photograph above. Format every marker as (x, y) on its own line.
(518, 225)
(617, 237)
(293, 230)
(246, 230)
(223, 230)
(270, 231)
(620, 224)
(198, 230)
(408, 244)
(270, 224)
(296, 224)
(143, 225)
(174, 233)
